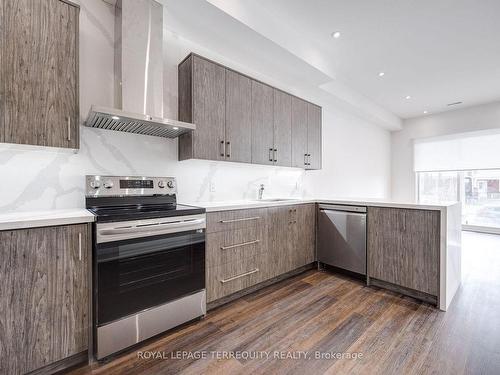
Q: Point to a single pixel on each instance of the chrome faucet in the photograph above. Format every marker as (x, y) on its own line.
(261, 190)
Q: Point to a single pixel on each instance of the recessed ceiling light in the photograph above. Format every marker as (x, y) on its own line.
(175, 128)
(115, 117)
(408, 97)
(381, 74)
(336, 34)
(425, 112)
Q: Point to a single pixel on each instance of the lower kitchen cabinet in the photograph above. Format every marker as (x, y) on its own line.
(228, 278)
(246, 247)
(403, 248)
(44, 314)
(292, 233)
(305, 227)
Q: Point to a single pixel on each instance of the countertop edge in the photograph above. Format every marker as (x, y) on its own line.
(45, 219)
(216, 207)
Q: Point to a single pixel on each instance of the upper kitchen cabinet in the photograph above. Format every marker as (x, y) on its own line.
(299, 133)
(202, 101)
(306, 134)
(39, 102)
(262, 123)
(282, 128)
(243, 120)
(238, 117)
(313, 136)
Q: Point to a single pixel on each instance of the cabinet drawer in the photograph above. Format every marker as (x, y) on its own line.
(232, 277)
(236, 219)
(233, 246)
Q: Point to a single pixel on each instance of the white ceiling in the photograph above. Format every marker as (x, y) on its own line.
(436, 51)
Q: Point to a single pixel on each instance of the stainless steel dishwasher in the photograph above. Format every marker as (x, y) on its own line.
(342, 237)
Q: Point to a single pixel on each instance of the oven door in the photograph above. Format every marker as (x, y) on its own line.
(134, 274)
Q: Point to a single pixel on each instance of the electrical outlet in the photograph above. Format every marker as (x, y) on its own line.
(212, 187)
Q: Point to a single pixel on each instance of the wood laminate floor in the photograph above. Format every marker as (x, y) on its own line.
(318, 312)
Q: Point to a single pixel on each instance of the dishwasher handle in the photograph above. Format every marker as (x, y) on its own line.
(345, 208)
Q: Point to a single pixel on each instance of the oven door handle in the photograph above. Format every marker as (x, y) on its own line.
(139, 231)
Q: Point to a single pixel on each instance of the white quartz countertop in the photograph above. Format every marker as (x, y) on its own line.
(246, 204)
(31, 219)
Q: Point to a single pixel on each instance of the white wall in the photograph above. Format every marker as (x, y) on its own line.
(355, 160)
(458, 121)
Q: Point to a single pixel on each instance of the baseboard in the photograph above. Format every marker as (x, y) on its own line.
(62, 365)
(429, 298)
(222, 301)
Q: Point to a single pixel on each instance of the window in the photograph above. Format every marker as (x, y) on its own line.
(478, 190)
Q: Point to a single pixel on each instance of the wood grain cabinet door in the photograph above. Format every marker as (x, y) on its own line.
(403, 247)
(314, 136)
(280, 239)
(306, 235)
(282, 128)
(238, 117)
(299, 132)
(262, 123)
(209, 109)
(40, 101)
(44, 314)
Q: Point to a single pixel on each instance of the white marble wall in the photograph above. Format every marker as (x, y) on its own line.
(35, 178)
(53, 178)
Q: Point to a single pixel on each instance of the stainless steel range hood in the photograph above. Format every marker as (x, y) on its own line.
(138, 75)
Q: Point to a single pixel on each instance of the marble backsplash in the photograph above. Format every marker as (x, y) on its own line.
(36, 178)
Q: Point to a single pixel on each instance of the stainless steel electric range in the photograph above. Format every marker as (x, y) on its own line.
(149, 260)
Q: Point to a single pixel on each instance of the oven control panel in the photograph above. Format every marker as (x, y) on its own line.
(113, 186)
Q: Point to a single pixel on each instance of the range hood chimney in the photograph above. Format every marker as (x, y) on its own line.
(138, 74)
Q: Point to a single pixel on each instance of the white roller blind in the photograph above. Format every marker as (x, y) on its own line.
(477, 150)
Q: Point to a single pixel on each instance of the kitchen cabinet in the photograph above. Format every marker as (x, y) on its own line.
(314, 152)
(291, 237)
(306, 134)
(305, 227)
(241, 119)
(262, 123)
(299, 133)
(282, 128)
(238, 134)
(236, 241)
(247, 247)
(44, 312)
(280, 239)
(403, 248)
(39, 103)
(202, 101)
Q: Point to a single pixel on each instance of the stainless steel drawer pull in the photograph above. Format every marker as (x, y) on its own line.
(79, 246)
(69, 128)
(239, 245)
(243, 219)
(223, 281)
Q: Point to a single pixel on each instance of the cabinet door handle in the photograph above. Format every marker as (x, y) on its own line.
(79, 246)
(305, 159)
(239, 245)
(223, 281)
(228, 149)
(222, 149)
(68, 123)
(237, 220)
(270, 154)
(275, 155)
